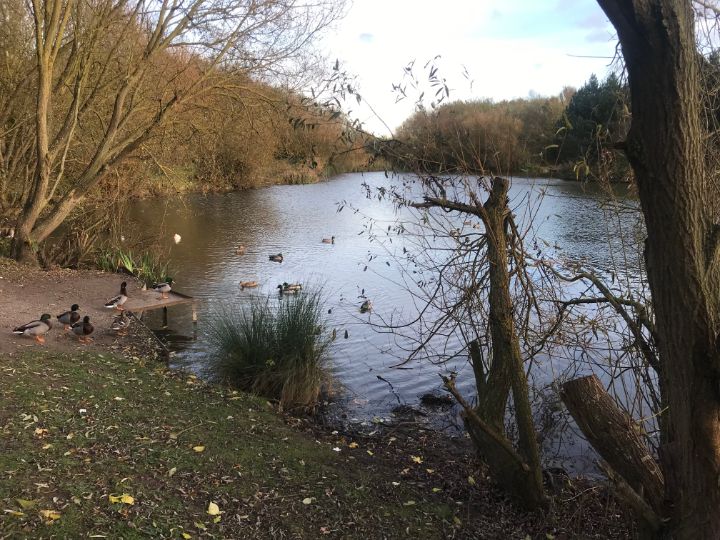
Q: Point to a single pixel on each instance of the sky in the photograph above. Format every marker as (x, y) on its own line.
(507, 48)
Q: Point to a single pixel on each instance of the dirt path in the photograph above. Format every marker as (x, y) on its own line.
(26, 293)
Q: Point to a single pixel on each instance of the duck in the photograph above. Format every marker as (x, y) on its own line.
(68, 318)
(291, 286)
(83, 329)
(240, 250)
(366, 306)
(248, 284)
(163, 288)
(330, 240)
(36, 329)
(283, 290)
(277, 258)
(120, 323)
(117, 302)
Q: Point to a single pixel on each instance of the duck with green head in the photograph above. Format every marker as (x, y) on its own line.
(35, 329)
(68, 318)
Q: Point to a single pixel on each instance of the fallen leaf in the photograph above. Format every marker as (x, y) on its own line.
(336, 449)
(213, 509)
(200, 525)
(307, 500)
(430, 471)
(369, 453)
(172, 471)
(199, 448)
(416, 459)
(124, 499)
(353, 445)
(50, 515)
(409, 503)
(186, 535)
(435, 490)
(25, 504)
(471, 480)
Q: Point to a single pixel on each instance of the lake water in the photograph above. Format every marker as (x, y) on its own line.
(292, 220)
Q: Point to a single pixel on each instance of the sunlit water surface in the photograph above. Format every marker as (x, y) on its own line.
(292, 220)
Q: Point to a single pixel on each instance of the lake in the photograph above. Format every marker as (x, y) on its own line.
(571, 220)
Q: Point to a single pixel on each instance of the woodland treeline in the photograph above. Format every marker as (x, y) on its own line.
(110, 99)
(563, 135)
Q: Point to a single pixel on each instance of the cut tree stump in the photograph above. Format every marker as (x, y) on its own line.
(616, 437)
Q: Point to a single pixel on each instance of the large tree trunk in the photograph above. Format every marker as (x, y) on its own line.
(665, 148)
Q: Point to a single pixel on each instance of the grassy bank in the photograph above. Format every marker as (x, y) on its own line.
(94, 445)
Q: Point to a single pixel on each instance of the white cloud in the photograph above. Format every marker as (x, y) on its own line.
(509, 49)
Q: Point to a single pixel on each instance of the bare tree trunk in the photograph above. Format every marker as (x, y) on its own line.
(519, 473)
(665, 148)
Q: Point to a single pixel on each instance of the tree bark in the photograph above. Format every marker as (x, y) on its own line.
(615, 436)
(665, 149)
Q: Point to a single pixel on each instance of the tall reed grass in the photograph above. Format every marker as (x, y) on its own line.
(147, 267)
(273, 348)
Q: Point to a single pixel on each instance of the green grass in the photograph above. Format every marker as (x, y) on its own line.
(148, 267)
(77, 429)
(274, 349)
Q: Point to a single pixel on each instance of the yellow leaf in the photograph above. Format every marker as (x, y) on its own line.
(199, 448)
(186, 536)
(370, 453)
(41, 432)
(172, 471)
(213, 509)
(409, 503)
(25, 504)
(430, 471)
(435, 490)
(50, 515)
(216, 519)
(307, 500)
(353, 445)
(124, 499)
(15, 513)
(47, 446)
(471, 480)
(457, 520)
(200, 525)
(416, 459)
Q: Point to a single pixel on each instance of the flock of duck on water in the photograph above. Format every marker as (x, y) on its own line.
(82, 328)
(291, 288)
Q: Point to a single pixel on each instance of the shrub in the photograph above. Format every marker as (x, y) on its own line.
(275, 349)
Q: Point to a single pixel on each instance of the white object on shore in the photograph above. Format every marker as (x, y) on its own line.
(177, 238)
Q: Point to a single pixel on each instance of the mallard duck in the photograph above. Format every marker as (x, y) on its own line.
(248, 284)
(240, 250)
(69, 318)
(330, 240)
(83, 329)
(120, 323)
(117, 302)
(277, 258)
(35, 329)
(283, 290)
(291, 286)
(163, 288)
(366, 306)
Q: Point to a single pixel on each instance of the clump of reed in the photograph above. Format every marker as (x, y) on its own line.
(273, 348)
(147, 267)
